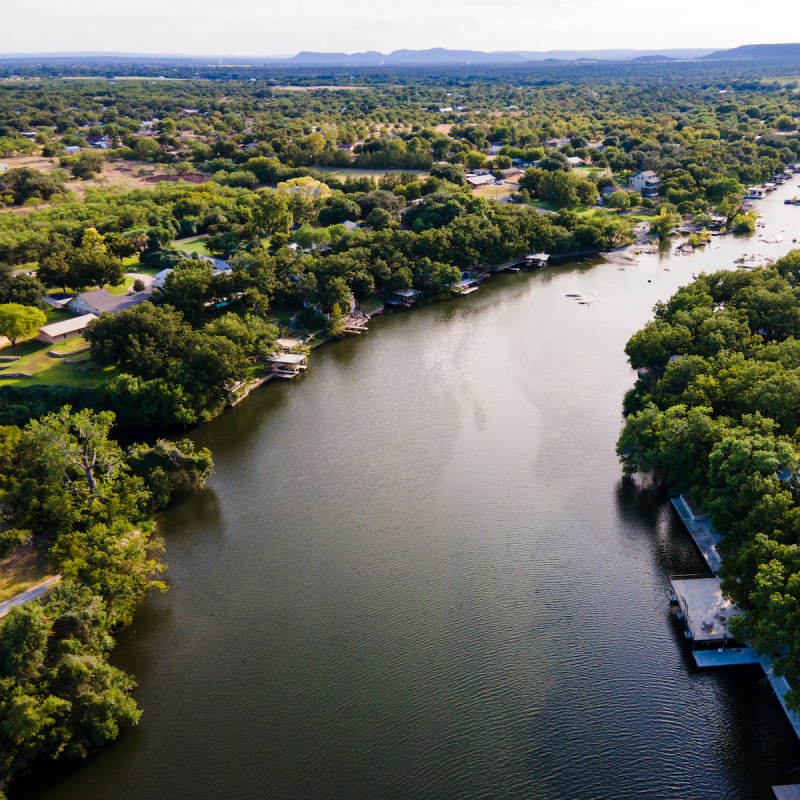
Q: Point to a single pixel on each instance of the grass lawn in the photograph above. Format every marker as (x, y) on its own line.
(21, 570)
(496, 192)
(47, 370)
(194, 244)
(122, 288)
(144, 269)
(131, 263)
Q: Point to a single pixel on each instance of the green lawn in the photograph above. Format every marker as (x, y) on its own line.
(122, 288)
(47, 370)
(194, 244)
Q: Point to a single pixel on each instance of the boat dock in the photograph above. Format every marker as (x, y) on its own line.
(701, 530)
(705, 605)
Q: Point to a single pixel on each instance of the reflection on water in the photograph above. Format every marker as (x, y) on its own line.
(418, 573)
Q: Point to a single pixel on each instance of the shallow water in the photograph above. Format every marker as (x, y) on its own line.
(417, 572)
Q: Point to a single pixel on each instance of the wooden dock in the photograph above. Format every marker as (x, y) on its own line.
(701, 530)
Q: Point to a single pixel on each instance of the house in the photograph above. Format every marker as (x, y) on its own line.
(575, 161)
(476, 181)
(72, 149)
(66, 329)
(160, 277)
(646, 182)
(100, 301)
(494, 149)
(350, 225)
(511, 172)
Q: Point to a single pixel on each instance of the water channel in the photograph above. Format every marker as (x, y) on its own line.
(417, 573)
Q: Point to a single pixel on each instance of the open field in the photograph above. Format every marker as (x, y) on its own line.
(127, 174)
(496, 192)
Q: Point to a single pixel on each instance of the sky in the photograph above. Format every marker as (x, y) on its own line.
(281, 27)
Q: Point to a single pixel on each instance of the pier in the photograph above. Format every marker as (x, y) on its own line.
(707, 602)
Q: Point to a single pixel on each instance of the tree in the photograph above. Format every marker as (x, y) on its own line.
(143, 340)
(87, 164)
(23, 289)
(664, 223)
(18, 321)
(619, 200)
(475, 159)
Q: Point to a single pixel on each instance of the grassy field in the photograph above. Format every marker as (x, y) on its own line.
(496, 192)
(46, 370)
(194, 244)
(21, 570)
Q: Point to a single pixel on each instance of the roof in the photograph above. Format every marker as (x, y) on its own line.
(350, 225)
(67, 326)
(288, 344)
(408, 292)
(648, 174)
(103, 302)
(707, 610)
(288, 358)
(479, 180)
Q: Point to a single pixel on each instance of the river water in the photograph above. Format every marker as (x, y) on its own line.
(417, 573)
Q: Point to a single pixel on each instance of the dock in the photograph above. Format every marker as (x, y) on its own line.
(706, 539)
(701, 530)
(789, 792)
(725, 657)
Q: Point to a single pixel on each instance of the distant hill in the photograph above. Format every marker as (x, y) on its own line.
(758, 52)
(436, 55)
(441, 55)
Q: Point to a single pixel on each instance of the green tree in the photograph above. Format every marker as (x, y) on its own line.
(18, 321)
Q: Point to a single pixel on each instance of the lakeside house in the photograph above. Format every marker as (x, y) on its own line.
(65, 329)
(100, 301)
(646, 182)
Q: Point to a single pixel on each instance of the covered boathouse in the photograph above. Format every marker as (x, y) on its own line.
(287, 365)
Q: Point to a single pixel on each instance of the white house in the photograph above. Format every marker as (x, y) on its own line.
(476, 181)
(66, 329)
(645, 182)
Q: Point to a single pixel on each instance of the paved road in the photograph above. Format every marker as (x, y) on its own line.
(34, 593)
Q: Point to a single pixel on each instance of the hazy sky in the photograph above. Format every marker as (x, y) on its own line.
(266, 27)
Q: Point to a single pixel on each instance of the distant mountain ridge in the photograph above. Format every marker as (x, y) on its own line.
(760, 52)
(431, 56)
(441, 55)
